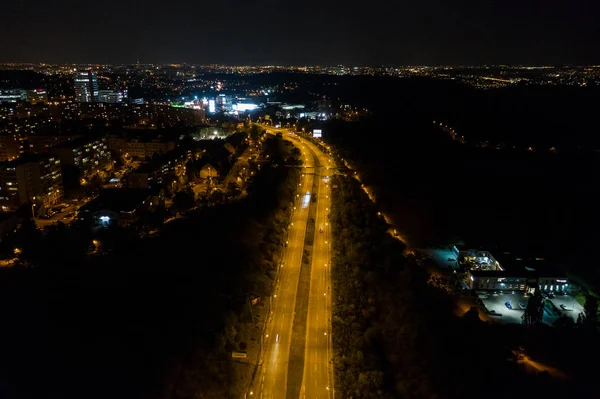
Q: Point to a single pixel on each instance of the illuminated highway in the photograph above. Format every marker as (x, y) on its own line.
(273, 373)
(317, 376)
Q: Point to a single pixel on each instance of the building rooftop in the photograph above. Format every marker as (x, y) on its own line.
(26, 158)
(160, 160)
(78, 142)
(493, 273)
(117, 200)
(518, 261)
(517, 272)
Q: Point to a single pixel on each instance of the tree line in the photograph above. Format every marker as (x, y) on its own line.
(149, 318)
(397, 332)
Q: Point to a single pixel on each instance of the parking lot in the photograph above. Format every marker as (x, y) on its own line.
(444, 258)
(572, 307)
(496, 305)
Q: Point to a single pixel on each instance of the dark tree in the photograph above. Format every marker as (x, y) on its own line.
(535, 309)
(184, 200)
(590, 312)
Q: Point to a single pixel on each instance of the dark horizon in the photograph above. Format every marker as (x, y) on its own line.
(266, 65)
(324, 33)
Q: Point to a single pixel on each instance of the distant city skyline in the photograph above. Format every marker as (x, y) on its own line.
(92, 65)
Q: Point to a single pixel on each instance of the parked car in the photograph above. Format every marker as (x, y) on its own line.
(522, 306)
(508, 305)
(550, 295)
(563, 307)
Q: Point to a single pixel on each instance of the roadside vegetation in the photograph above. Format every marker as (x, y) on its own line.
(168, 309)
(395, 332)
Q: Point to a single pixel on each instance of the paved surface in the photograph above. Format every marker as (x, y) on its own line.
(273, 378)
(496, 303)
(317, 380)
(65, 216)
(441, 257)
(317, 376)
(572, 307)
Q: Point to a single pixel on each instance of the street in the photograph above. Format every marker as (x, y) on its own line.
(273, 380)
(66, 216)
(317, 376)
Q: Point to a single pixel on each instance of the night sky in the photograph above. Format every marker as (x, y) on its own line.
(255, 32)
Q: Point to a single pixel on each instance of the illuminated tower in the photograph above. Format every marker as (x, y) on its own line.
(86, 87)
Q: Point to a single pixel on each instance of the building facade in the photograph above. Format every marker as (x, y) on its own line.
(11, 146)
(86, 87)
(87, 153)
(42, 143)
(139, 148)
(524, 281)
(154, 172)
(34, 179)
(112, 96)
(208, 171)
(13, 95)
(38, 96)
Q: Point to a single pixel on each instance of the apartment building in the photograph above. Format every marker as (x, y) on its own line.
(139, 147)
(153, 173)
(34, 179)
(11, 146)
(89, 154)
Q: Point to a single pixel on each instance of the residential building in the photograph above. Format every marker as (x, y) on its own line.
(112, 96)
(89, 154)
(11, 146)
(208, 171)
(140, 147)
(34, 179)
(41, 143)
(154, 172)
(38, 96)
(12, 95)
(86, 87)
